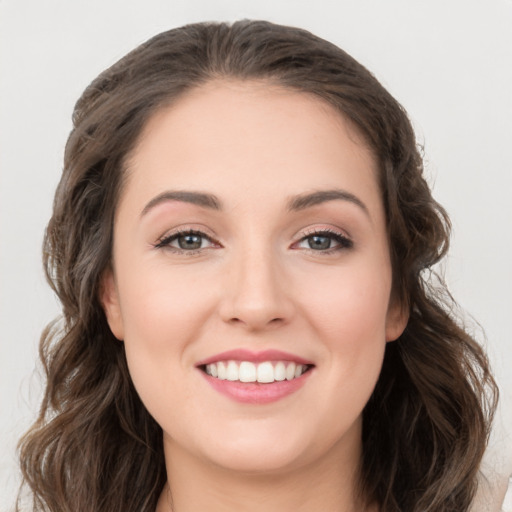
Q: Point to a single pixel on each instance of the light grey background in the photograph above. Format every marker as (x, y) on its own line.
(449, 62)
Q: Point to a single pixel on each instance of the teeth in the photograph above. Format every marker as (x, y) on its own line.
(232, 371)
(290, 372)
(265, 372)
(280, 371)
(221, 371)
(245, 371)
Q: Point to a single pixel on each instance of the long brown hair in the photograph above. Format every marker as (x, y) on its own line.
(94, 447)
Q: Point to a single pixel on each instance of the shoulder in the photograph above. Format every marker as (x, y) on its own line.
(494, 494)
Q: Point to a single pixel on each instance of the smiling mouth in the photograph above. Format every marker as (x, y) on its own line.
(265, 372)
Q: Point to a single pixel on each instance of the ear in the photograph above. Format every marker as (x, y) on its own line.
(109, 298)
(396, 320)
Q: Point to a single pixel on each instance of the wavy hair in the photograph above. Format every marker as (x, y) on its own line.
(94, 446)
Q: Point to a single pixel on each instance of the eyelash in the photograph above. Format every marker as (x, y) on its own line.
(165, 241)
(343, 241)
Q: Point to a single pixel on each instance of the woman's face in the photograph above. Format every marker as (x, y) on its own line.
(251, 282)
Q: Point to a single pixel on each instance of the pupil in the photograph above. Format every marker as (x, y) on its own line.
(319, 242)
(190, 242)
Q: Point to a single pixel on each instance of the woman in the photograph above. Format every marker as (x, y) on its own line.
(241, 241)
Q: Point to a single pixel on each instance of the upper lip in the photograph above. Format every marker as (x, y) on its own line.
(254, 357)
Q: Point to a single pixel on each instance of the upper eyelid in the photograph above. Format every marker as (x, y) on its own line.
(310, 231)
(180, 230)
(343, 238)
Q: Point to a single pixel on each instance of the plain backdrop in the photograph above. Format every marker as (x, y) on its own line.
(449, 62)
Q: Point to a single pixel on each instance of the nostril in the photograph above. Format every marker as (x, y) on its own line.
(255, 323)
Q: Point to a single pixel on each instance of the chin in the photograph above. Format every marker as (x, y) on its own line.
(274, 449)
(270, 459)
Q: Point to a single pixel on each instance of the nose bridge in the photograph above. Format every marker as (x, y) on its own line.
(256, 294)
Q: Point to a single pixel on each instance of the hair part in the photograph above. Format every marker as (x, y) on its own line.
(94, 446)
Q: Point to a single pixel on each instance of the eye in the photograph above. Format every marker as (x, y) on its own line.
(186, 241)
(324, 241)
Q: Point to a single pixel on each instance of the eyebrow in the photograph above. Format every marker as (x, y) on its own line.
(296, 203)
(198, 198)
(304, 201)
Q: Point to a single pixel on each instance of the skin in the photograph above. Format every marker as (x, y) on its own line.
(256, 284)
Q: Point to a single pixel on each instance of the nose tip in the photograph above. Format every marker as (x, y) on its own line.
(255, 318)
(256, 297)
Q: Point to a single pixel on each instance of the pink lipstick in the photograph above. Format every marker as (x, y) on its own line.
(255, 377)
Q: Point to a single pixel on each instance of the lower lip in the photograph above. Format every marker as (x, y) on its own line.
(255, 392)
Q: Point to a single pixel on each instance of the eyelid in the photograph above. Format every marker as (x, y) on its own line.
(163, 242)
(341, 237)
(322, 229)
(344, 240)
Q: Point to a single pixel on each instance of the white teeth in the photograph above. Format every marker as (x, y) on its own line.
(232, 371)
(247, 372)
(290, 371)
(264, 373)
(221, 371)
(280, 371)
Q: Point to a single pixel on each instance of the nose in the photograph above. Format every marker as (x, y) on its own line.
(257, 293)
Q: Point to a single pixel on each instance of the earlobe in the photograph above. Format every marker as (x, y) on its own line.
(396, 321)
(109, 298)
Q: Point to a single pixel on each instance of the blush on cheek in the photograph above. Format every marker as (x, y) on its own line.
(353, 317)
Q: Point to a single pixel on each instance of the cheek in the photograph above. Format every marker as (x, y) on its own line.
(349, 304)
(355, 334)
(161, 308)
(159, 327)
(349, 315)
(162, 313)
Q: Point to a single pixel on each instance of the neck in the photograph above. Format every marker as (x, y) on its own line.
(329, 484)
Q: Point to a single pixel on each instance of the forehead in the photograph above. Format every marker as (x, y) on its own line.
(253, 132)
(239, 101)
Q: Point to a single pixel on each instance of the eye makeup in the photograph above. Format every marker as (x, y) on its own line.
(186, 240)
(191, 241)
(323, 240)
